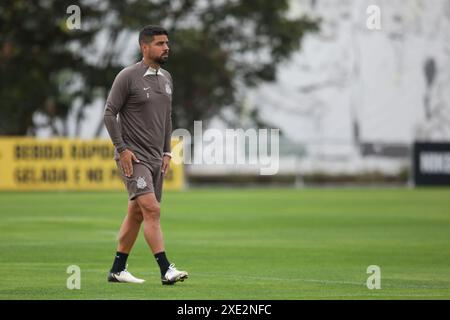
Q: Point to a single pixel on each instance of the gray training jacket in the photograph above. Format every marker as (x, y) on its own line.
(143, 101)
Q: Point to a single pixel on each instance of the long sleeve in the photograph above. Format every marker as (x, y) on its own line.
(168, 134)
(116, 99)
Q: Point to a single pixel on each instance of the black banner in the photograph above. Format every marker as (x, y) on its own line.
(431, 164)
(227, 309)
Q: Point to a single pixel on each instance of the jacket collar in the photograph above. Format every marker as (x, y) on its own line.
(151, 71)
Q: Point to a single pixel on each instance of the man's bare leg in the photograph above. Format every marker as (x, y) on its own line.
(127, 237)
(150, 210)
(130, 227)
(153, 235)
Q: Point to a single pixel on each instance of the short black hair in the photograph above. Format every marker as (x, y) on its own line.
(146, 34)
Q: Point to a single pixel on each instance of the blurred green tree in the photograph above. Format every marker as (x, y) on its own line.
(217, 48)
(38, 70)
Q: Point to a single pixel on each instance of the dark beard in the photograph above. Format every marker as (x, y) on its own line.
(161, 60)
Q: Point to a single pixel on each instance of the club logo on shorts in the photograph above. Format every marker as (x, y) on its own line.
(168, 89)
(141, 184)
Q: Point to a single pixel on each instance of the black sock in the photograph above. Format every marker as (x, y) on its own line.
(120, 262)
(162, 262)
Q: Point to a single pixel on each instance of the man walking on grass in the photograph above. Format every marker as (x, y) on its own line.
(141, 95)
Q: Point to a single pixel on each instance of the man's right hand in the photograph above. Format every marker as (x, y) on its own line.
(126, 162)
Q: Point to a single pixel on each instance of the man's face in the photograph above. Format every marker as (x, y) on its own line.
(157, 50)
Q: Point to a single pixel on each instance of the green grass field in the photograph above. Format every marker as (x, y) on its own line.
(236, 244)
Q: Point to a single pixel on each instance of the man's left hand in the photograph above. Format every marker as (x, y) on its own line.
(165, 165)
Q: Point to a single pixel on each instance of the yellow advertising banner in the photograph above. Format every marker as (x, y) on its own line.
(66, 164)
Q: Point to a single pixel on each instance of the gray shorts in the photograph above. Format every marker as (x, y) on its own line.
(146, 178)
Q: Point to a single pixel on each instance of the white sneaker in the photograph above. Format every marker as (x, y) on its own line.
(124, 276)
(173, 275)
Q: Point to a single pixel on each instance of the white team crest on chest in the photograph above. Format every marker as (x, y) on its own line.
(168, 88)
(140, 183)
